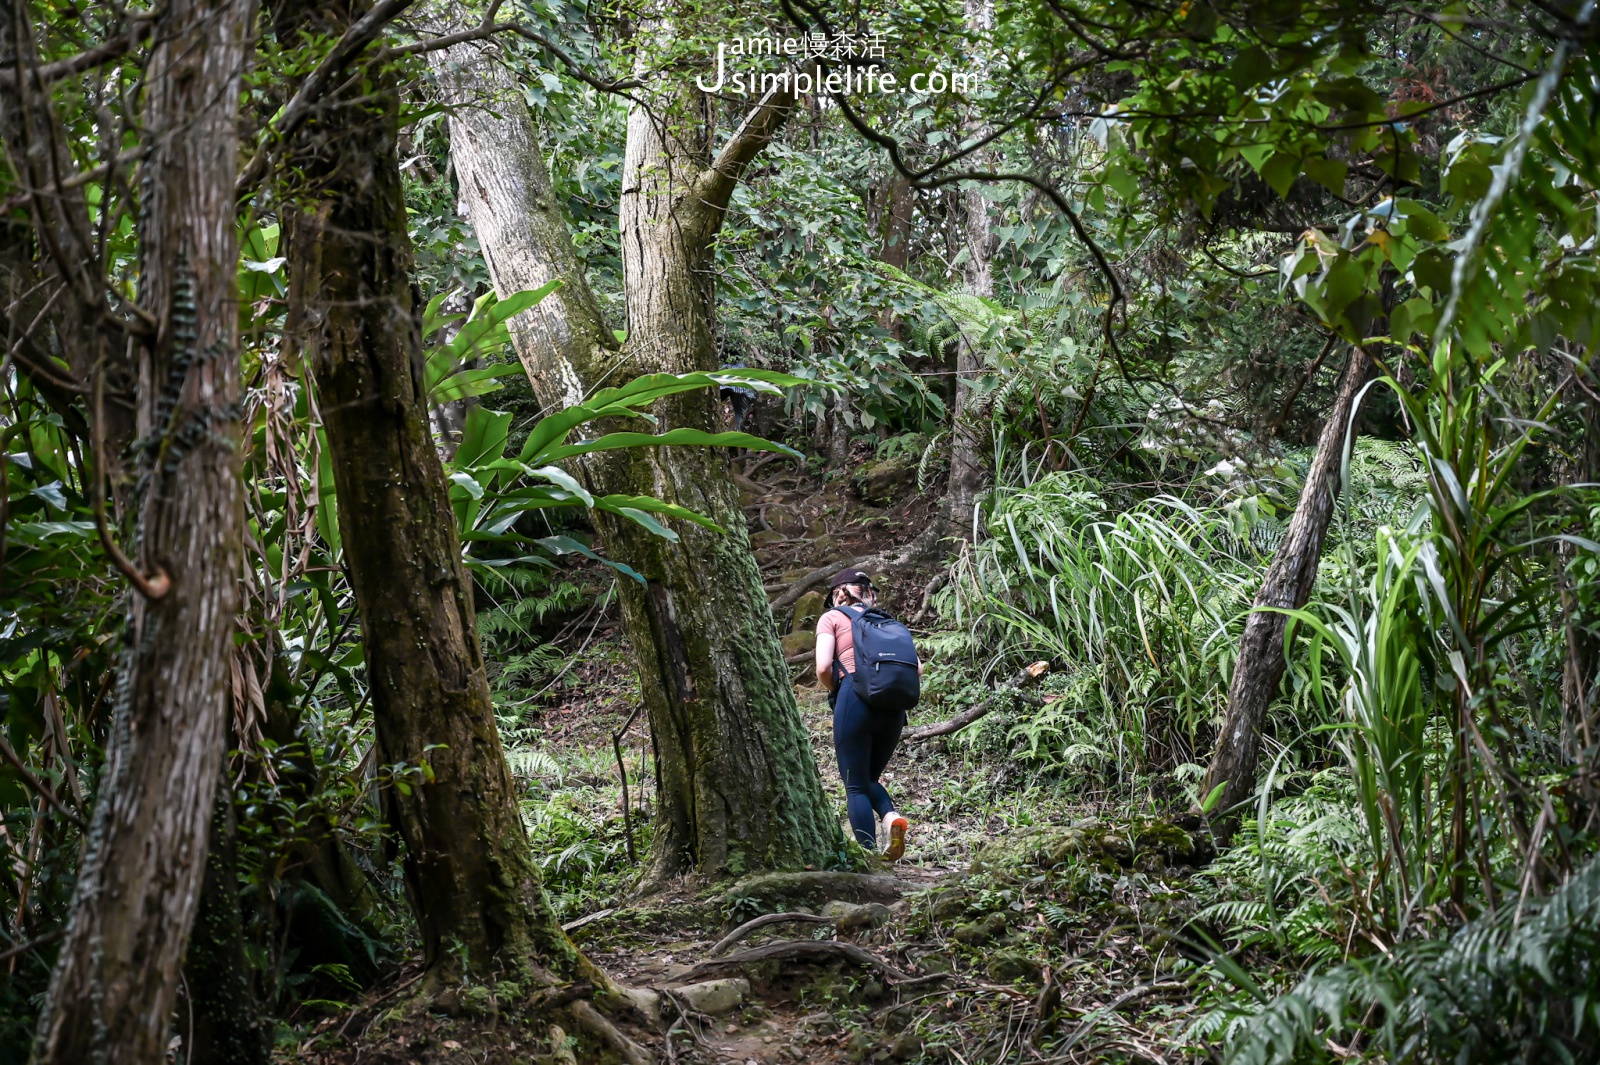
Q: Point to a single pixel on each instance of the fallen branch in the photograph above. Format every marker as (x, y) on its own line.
(33, 944)
(967, 717)
(803, 656)
(798, 950)
(761, 922)
(573, 926)
(798, 588)
(932, 586)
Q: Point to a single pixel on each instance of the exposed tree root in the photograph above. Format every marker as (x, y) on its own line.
(761, 922)
(800, 950)
(821, 573)
(597, 1024)
(939, 580)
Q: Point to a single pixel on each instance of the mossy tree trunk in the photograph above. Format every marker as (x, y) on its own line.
(739, 788)
(355, 317)
(116, 979)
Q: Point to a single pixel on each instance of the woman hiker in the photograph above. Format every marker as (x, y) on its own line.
(863, 738)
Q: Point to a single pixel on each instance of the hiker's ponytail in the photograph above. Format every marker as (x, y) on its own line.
(852, 595)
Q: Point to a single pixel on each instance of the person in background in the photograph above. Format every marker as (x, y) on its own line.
(739, 397)
(863, 738)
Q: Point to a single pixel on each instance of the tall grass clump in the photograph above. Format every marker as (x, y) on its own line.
(1141, 608)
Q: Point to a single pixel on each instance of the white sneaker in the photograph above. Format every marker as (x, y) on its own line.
(897, 826)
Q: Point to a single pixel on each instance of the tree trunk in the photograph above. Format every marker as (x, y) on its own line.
(1258, 672)
(115, 982)
(228, 1028)
(477, 893)
(899, 206)
(739, 788)
(969, 429)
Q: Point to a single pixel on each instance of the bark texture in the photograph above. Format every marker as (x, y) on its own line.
(116, 979)
(739, 787)
(1258, 671)
(506, 192)
(355, 317)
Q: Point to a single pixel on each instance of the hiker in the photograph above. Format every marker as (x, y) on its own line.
(866, 660)
(740, 397)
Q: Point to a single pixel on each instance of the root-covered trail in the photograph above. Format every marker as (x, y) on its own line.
(992, 941)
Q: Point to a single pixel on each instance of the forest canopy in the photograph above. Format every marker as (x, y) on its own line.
(431, 431)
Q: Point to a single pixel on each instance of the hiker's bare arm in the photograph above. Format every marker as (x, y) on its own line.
(825, 659)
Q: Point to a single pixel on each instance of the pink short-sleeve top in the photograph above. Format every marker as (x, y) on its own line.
(837, 622)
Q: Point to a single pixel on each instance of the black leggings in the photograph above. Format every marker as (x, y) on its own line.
(863, 739)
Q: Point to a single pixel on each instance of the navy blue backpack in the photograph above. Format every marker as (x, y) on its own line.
(886, 675)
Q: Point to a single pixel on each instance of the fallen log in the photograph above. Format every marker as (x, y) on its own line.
(944, 728)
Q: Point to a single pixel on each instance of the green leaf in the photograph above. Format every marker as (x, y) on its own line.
(674, 438)
(466, 384)
(1280, 172)
(1421, 222)
(1249, 68)
(1432, 268)
(1329, 173)
(657, 506)
(476, 331)
(558, 476)
(482, 438)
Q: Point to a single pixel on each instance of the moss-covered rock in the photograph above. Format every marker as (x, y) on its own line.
(977, 933)
(883, 481)
(1012, 967)
(806, 611)
(798, 643)
(776, 892)
(1149, 844)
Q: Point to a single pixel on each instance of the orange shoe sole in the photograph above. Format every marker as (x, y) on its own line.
(897, 840)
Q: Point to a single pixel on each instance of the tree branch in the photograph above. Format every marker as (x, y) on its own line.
(37, 785)
(491, 29)
(966, 717)
(361, 33)
(115, 48)
(754, 134)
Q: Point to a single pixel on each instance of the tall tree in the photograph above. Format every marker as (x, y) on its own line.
(115, 981)
(355, 318)
(1258, 671)
(739, 788)
(969, 430)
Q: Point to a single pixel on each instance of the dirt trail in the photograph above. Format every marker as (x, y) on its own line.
(958, 968)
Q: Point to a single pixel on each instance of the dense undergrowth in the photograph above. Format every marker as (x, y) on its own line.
(1414, 877)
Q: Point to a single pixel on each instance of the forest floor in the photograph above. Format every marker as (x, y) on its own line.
(1025, 923)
